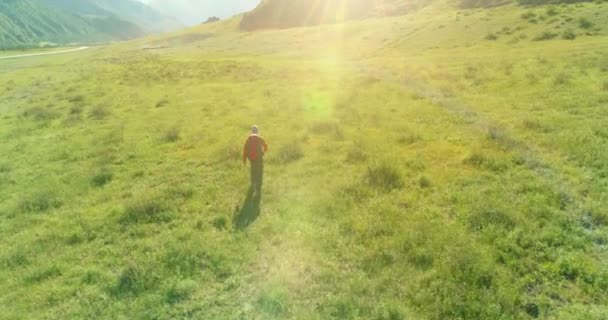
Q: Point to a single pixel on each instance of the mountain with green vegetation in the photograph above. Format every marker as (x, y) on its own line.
(273, 14)
(26, 23)
(445, 164)
(292, 13)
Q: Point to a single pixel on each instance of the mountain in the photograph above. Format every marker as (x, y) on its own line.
(294, 13)
(26, 23)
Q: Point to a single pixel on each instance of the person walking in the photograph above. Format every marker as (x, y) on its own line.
(254, 150)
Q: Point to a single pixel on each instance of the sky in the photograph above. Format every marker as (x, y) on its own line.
(191, 12)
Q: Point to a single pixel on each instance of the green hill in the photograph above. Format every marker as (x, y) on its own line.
(288, 13)
(445, 164)
(29, 22)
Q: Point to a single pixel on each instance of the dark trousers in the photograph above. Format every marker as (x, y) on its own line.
(257, 174)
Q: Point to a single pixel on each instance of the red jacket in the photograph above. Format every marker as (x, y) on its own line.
(254, 149)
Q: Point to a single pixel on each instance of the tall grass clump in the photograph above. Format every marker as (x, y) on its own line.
(384, 177)
(290, 153)
(40, 114)
(547, 35)
(102, 178)
(332, 129)
(134, 280)
(172, 134)
(40, 201)
(99, 112)
(147, 208)
(584, 23)
(568, 35)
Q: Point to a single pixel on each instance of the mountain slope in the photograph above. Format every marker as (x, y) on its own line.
(29, 22)
(26, 22)
(293, 13)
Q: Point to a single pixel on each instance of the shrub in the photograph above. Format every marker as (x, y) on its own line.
(161, 103)
(146, 208)
(569, 35)
(76, 110)
(290, 153)
(40, 201)
(583, 23)
(99, 112)
(172, 135)
(482, 219)
(561, 79)
(78, 99)
(528, 15)
(424, 182)
(384, 177)
(274, 301)
(491, 36)
(180, 291)
(220, 223)
(43, 274)
(408, 138)
(329, 128)
(40, 114)
(356, 155)
(102, 178)
(134, 280)
(547, 35)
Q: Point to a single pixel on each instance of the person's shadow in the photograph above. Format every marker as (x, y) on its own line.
(249, 212)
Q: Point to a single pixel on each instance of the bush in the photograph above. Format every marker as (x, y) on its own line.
(356, 155)
(384, 177)
(40, 114)
(290, 153)
(491, 36)
(172, 135)
(161, 103)
(528, 15)
(102, 178)
(569, 35)
(133, 281)
(146, 208)
(482, 219)
(583, 23)
(424, 182)
(99, 112)
(552, 11)
(561, 79)
(329, 128)
(547, 35)
(40, 201)
(180, 291)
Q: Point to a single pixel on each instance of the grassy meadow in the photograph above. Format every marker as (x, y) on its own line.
(447, 164)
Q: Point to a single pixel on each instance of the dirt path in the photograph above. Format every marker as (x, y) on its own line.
(43, 53)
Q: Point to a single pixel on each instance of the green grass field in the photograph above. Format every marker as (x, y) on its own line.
(448, 164)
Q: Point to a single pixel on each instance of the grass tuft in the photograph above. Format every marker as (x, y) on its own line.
(99, 112)
(172, 134)
(584, 23)
(146, 208)
(102, 178)
(290, 153)
(40, 201)
(384, 177)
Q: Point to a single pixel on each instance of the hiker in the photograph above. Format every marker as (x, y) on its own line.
(254, 150)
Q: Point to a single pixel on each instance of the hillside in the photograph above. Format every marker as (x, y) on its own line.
(24, 22)
(289, 13)
(29, 22)
(446, 164)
